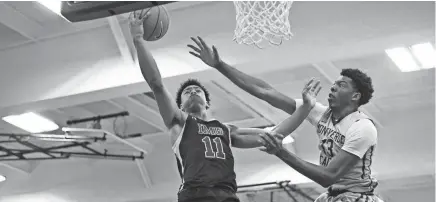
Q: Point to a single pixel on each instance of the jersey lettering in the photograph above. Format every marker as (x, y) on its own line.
(204, 130)
(330, 133)
(210, 152)
(327, 147)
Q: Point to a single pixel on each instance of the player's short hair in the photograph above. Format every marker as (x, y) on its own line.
(362, 83)
(187, 83)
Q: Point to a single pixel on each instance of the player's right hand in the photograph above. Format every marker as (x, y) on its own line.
(204, 52)
(272, 142)
(136, 20)
(310, 91)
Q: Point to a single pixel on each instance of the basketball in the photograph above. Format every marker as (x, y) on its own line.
(157, 23)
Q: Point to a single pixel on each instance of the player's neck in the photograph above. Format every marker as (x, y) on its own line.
(201, 115)
(339, 113)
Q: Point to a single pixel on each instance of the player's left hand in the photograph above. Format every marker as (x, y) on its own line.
(136, 20)
(310, 91)
(272, 142)
(204, 52)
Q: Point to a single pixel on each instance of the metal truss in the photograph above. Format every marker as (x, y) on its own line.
(66, 141)
(54, 152)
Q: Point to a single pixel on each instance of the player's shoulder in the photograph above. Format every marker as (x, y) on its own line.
(364, 127)
(362, 120)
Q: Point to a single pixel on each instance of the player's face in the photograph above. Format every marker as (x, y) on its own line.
(342, 93)
(193, 99)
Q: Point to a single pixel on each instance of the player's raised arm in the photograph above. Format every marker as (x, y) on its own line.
(169, 111)
(309, 93)
(252, 85)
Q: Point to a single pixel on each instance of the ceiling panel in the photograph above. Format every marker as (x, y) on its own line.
(53, 24)
(133, 125)
(101, 108)
(291, 74)
(408, 101)
(147, 99)
(230, 113)
(10, 37)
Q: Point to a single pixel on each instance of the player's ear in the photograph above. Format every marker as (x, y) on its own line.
(356, 96)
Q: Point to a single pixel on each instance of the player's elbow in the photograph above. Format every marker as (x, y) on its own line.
(329, 179)
(267, 94)
(327, 182)
(156, 85)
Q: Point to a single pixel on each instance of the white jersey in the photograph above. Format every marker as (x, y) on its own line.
(355, 134)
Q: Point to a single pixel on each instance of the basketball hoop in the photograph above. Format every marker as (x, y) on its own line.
(262, 22)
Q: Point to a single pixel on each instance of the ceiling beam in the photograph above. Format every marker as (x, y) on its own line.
(238, 101)
(121, 40)
(259, 107)
(9, 128)
(330, 72)
(20, 23)
(144, 173)
(140, 111)
(16, 168)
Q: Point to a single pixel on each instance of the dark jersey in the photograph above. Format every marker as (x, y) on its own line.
(204, 157)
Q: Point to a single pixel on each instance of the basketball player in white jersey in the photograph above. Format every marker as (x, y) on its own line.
(347, 137)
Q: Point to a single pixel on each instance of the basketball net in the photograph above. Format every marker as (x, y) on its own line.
(261, 22)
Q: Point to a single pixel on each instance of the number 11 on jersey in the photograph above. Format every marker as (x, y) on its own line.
(210, 152)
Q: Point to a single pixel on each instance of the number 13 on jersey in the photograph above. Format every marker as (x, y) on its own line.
(210, 152)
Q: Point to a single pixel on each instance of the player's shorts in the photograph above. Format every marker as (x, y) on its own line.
(348, 197)
(207, 194)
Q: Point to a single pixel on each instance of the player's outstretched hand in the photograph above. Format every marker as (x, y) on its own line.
(272, 142)
(136, 20)
(310, 91)
(204, 52)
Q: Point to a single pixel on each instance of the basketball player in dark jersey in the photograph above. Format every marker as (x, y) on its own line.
(201, 143)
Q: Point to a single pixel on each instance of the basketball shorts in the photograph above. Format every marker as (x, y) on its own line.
(207, 194)
(348, 197)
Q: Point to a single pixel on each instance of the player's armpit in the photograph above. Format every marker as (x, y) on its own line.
(168, 109)
(245, 137)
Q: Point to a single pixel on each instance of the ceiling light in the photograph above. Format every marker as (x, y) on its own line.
(425, 54)
(403, 59)
(31, 122)
(53, 5)
(2, 178)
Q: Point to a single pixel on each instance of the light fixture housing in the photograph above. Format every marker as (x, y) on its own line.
(2, 178)
(31, 122)
(52, 5)
(413, 58)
